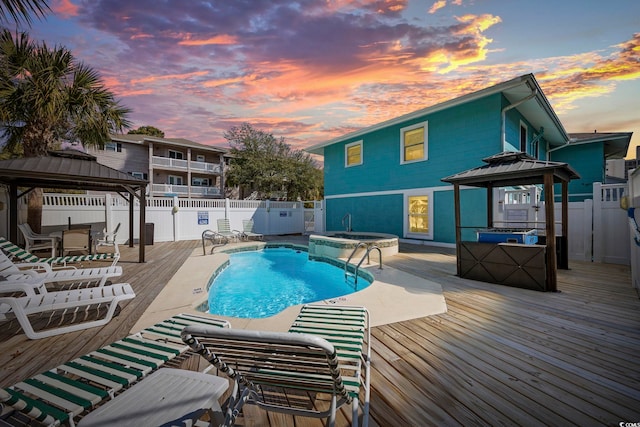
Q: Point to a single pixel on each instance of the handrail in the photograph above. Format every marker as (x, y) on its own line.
(366, 255)
(211, 236)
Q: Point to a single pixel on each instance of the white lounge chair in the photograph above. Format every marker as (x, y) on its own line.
(42, 272)
(76, 302)
(224, 230)
(247, 230)
(323, 353)
(26, 256)
(34, 241)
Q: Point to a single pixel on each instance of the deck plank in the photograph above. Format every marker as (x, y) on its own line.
(498, 356)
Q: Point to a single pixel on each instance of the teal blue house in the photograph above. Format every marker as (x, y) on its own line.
(388, 176)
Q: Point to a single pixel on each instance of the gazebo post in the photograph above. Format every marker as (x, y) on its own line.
(564, 247)
(143, 228)
(13, 212)
(456, 202)
(490, 206)
(550, 233)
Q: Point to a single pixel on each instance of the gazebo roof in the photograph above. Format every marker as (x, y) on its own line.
(66, 169)
(512, 168)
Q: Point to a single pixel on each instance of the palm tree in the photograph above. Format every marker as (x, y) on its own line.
(21, 10)
(47, 97)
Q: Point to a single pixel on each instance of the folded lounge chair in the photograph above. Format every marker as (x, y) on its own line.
(323, 354)
(42, 272)
(60, 304)
(247, 230)
(23, 255)
(224, 230)
(60, 395)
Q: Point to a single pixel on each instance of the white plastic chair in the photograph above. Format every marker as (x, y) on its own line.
(35, 241)
(108, 238)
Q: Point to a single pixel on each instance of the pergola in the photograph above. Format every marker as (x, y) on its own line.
(71, 169)
(512, 169)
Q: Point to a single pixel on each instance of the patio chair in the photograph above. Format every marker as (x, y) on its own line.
(247, 230)
(76, 240)
(108, 238)
(75, 302)
(68, 392)
(224, 229)
(321, 356)
(41, 272)
(35, 242)
(15, 251)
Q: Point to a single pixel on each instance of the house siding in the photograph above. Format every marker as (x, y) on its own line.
(456, 139)
(588, 161)
(132, 158)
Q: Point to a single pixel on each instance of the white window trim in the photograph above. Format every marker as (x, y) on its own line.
(197, 178)
(346, 153)
(200, 157)
(526, 136)
(405, 210)
(424, 125)
(117, 147)
(138, 175)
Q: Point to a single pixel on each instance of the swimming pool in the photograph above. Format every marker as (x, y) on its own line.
(258, 284)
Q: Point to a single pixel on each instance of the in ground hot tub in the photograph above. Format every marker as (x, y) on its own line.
(340, 244)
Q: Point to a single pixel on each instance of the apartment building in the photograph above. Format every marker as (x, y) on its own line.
(173, 166)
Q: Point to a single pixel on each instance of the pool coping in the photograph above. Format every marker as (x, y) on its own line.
(392, 297)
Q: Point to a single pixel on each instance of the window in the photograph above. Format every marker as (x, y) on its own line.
(175, 180)
(353, 154)
(200, 182)
(113, 146)
(200, 158)
(176, 155)
(523, 137)
(413, 143)
(140, 175)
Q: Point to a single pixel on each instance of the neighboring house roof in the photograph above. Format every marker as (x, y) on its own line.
(616, 144)
(179, 142)
(539, 113)
(65, 170)
(512, 168)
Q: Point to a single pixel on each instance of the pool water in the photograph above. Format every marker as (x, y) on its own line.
(259, 284)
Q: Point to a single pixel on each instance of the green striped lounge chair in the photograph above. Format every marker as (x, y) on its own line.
(72, 390)
(15, 251)
(325, 353)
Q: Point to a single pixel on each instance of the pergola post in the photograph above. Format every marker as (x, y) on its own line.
(456, 202)
(564, 239)
(550, 233)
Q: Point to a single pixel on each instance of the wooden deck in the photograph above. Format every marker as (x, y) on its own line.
(499, 356)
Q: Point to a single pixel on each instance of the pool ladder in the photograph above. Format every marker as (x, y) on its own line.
(347, 273)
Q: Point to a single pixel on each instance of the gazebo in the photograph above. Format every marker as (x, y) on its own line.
(519, 265)
(70, 169)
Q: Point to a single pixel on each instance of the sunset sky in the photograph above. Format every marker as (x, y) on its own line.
(311, 70)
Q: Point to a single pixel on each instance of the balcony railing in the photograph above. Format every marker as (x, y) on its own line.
(183, 190)
(200, 167)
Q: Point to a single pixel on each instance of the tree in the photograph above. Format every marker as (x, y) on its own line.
(46, 97)
(262, 163)
(21, 10)
(147, 130)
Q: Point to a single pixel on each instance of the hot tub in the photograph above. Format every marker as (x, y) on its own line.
(340, 244)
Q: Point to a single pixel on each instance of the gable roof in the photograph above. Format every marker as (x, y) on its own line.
(512, 168)
(179, 142)
(616, 144)
(539, 113)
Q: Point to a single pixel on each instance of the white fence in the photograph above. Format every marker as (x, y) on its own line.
(176, 219)
(598, 228)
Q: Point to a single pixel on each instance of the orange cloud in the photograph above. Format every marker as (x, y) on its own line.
(182, 76)
(64, 8)
(223, 39)
(437, 6)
